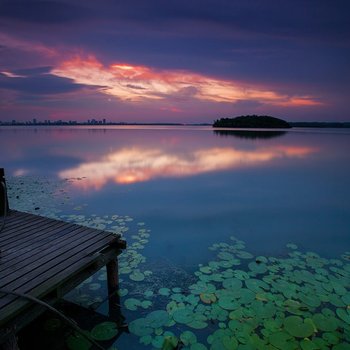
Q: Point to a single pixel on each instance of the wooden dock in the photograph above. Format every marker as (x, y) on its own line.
(45, 258)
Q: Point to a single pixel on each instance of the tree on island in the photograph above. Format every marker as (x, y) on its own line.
(251, 121)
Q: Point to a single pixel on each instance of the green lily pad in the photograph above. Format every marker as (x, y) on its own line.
(257, 286)
(164, 291)
(244, 255)
(257, 268)
(140, 327)
(225, 256)
(208, 298)
(232, 283)
(132, 304)
(148, 293)
(198, 346)
(188, 338)
(183, 315)
(157, 318)
(170, 342)
(344, 315)
(137, 276)
(241, 275)
(78, 342)
(146, 339)
(307, 344)
(346, 299)
(104, 331)
(280, 340)
(297, 327)
(341, 346)
(331, 338)
(326, 324)
(228, 302)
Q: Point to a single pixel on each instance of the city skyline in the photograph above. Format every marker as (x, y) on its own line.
(174, 62)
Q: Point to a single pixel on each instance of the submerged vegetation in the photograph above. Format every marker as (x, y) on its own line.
(237, 300)
(251, 121)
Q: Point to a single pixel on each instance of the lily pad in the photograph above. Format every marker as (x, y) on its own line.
(257, 286)
(208, 298)
(297, 327)
(183, 315)
(137, 276)
(132, 304)
(104, 331)
(157, 318)
(326, 324)
(232, 283)
(140, 327)
(78, 342)
(188, 338)
(344, 315)
(164, 291)
(280, 340)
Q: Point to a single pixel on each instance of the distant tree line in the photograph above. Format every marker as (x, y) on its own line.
(251, 121)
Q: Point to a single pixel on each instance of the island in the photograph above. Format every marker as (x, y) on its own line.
(252, 121)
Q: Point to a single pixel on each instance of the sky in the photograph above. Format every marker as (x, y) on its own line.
(188, 61)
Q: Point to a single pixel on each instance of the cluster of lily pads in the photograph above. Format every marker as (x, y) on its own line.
(130, 261)
(301, 301)
(38, 194)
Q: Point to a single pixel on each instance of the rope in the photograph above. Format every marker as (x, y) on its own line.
(55, 311)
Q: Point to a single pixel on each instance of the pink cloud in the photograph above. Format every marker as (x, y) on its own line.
(132, 83)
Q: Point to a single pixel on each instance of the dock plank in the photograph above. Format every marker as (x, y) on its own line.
(39, 255)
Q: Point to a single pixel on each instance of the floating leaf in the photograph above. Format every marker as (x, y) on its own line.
(188, 338)
(164, 291)
(280, 340)
(323, 323)
(78, 342)
(183, 315)
(104, 331)
(140, 327)
(157, 318)
(132, 304)
(208, 298)
(344, 315)
(298, 327)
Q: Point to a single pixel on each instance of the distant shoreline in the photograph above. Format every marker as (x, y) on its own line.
(338, 125)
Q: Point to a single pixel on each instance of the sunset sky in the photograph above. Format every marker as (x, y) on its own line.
(174, 61)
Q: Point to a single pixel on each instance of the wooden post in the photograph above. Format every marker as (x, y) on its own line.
(113, 293)
(4, 203)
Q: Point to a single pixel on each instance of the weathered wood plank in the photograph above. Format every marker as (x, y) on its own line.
(51, 255)
(44, 257)
(15, 305)
(37, 233)
(19, 226)
(15, 260)
(58, 265)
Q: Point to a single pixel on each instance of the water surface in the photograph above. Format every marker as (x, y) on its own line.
(191, 188)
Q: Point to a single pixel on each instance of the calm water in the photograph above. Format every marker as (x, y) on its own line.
(191, 187)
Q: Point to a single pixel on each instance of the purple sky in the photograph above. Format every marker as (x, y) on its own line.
(174, 61)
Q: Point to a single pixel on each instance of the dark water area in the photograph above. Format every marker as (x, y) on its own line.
(194, 187)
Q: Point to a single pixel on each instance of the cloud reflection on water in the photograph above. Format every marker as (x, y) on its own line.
(132, 165)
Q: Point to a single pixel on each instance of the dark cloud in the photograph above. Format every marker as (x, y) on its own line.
(44, 84)
(33, 71)
(136, 87)
(41, 11)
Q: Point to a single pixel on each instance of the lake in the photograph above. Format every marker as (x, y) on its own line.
(236, 238)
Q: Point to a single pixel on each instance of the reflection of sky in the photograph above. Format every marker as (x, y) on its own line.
(134, 164)
(194, 188)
